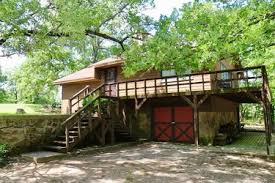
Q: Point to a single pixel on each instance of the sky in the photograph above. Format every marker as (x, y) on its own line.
(162, 7)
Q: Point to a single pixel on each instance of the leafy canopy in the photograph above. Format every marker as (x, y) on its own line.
(200, 34)
(62, 36)
(27, 26)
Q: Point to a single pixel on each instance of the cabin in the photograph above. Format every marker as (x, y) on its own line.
(158, 105)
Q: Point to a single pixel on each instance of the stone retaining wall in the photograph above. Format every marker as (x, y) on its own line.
(26, 132)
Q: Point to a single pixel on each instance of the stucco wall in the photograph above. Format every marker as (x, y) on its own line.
(22, 133)
(68, 90)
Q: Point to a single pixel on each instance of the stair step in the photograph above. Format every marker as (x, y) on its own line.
(70, 137)
(61, 142)
(76, 127)
(123, 133)
(73, 132)
(55, 148)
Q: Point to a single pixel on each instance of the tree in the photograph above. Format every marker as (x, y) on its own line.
(29, 26)
(202, 33)
(61, 36)
(3, 94)
(34, 78)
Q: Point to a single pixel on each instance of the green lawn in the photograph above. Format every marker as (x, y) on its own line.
(249, 142)
(32, 109)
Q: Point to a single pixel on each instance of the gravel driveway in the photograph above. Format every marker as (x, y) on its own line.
(150, 162)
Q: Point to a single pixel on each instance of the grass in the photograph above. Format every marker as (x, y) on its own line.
(249, 142)
(30, 109)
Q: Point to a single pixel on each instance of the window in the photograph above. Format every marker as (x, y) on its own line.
(110, 75)
(167, 73)
(224, 75)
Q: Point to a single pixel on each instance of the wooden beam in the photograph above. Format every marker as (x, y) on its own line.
(138, 104)
(203, 99)
(186, 99)
(196, 119)
(256, 99)
(266, 129)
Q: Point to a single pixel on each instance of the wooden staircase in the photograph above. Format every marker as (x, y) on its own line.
(93, 119)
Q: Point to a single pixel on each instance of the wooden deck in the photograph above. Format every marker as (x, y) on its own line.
(216, 82)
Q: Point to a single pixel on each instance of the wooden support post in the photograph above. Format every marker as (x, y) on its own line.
(126, 88)
(99, 108)
(103, 132)
(196, 120)
(135, 89)
(117, 90)
(138, 104)
(67, 138)
(70, 107)
(112, 131)
(145, 88)
(155, 84)
(90, 120)
(79, 127)
(166, 87)
(203, 87)
(238, 118)
(190, 84)
(178, 86)
(266, 129)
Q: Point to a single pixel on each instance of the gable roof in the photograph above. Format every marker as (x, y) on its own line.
(89, 73)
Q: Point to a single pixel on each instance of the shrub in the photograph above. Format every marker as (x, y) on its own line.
(3, 154)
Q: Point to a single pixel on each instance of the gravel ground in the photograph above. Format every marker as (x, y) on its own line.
(150, 162)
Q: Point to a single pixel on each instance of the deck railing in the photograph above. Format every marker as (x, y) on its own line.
(244, 78)
(216, 81)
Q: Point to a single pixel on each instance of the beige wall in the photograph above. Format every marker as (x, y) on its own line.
(68, 90)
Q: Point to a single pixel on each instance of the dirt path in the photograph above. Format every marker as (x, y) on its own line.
(153, 162)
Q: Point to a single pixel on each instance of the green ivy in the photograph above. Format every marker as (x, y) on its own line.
(3, 154)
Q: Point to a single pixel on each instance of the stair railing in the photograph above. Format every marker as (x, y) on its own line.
(75, 119)
(78, 97)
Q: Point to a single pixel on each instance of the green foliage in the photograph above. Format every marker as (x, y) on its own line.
(201, 34)
(3, 154)
(30, 26)
(62, 36)
(3, 93)
(251, 113)
(34, 78)
(93, 98)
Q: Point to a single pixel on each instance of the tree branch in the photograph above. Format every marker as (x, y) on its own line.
(114, 15)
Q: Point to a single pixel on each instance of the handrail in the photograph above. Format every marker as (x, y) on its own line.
(79, 111)
(213, 78)
(79, 92)
(87, 95)
(75, 118)
(194, 74)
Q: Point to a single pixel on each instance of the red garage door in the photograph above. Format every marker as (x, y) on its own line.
(173, 124)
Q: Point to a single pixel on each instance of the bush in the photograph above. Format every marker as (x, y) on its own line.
(3, 154)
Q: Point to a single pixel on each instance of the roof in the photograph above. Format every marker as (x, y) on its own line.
(88, 73)
(109, 62)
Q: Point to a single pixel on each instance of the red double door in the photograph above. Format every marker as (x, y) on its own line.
(174, 124)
